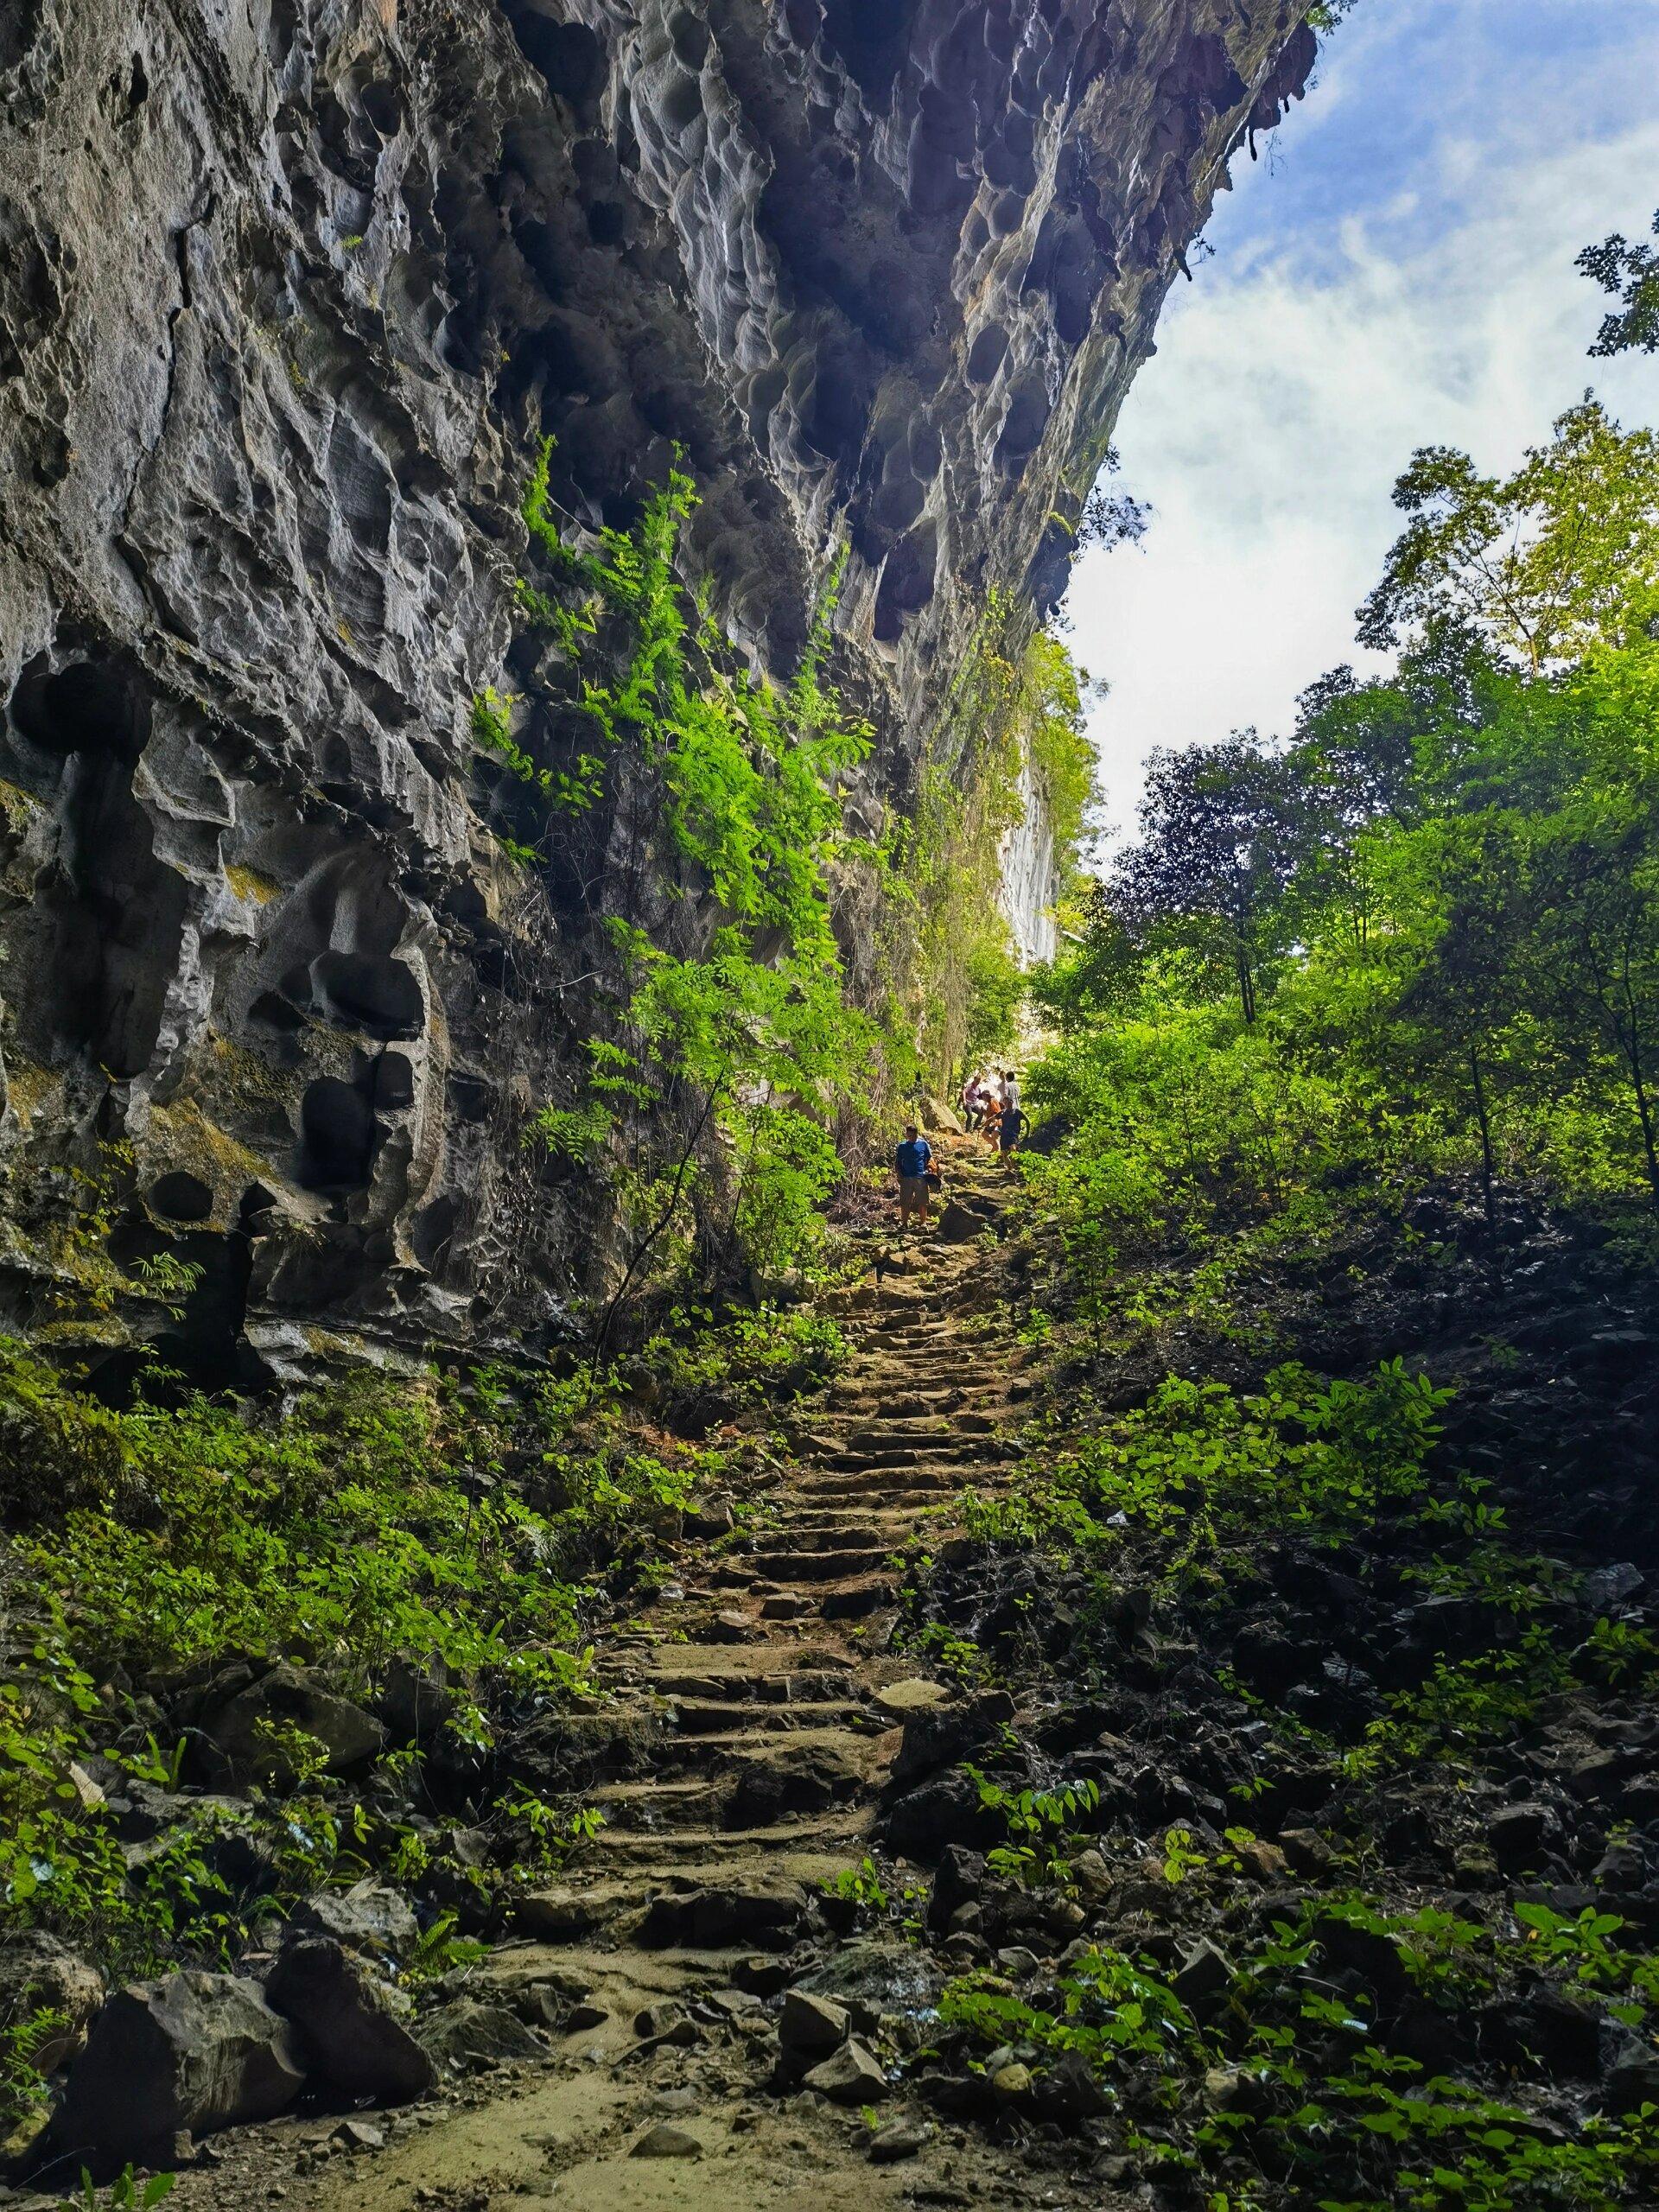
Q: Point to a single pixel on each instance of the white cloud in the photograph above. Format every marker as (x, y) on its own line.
(1293, 381)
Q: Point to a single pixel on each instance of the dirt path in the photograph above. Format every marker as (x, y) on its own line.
(755, 1723)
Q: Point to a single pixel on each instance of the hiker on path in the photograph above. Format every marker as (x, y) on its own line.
(912, 1160)
(1009, 1129)
(990, 1112)
(970, 1103)
(1012, 1118)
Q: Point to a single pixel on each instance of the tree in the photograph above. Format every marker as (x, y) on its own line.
(1631, 273)
(1589, 952)
(1220, 841)
(1545, 565)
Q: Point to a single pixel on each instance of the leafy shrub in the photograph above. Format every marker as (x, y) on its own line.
(1200, 1466)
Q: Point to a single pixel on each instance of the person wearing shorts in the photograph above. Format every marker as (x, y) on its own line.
(912, 1161)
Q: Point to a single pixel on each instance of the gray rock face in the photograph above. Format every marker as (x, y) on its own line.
(308, 283)
(196, 2051)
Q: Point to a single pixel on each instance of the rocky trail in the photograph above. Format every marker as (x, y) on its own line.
(679, 2021)
(746, 1987)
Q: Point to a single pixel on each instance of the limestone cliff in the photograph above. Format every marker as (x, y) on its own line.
(290, 290)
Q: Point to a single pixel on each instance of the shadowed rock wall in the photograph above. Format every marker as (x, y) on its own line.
(289, 291)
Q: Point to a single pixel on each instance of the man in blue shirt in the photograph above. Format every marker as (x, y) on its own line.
(912, 1159)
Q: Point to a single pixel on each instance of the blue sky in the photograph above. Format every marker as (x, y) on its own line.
(1396, 270)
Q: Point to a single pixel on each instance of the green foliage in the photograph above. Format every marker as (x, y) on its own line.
(1013, 721)
(1111, 2008)
(1483, 1700)
(996, 991)
(770, 1356)
(713, 1096)
(860, 1885)
(1560, 556)
(1039, 1825)
(1314, 2099)
(1631, 273)
(1422, 936)
(1200, 1468)
(424, 1524)
(125, 2193)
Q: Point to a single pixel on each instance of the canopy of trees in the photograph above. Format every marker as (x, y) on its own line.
(1423, 931)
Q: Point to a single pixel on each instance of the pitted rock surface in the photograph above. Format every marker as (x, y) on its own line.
(289, 293)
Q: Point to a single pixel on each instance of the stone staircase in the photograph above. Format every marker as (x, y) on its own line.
(772, 1698)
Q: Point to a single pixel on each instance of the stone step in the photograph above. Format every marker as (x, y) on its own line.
(851, 1462)
(786, 1681)
(852, 1529)
(695, 1718)
(713, 1855)
(822, 1566)
(882, 1523)
(917, 1486)
(855, 1600)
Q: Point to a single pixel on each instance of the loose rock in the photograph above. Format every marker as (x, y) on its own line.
(470, 2036)
(812, 2026)
(852, 2076)
(667, 2141)
(195, 2051)
(356, 2024)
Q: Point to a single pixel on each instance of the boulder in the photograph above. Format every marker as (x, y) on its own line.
(357, 2027)
(768, 1915)
(1306, 1851)
(1544, 2028)
(958, 1881)
(417, 1699)
(945, 1809)
(1634, 2081)
(956, 1226)
(814, 2026)
(369, 1916)
(40, 1974)
(900, 2138)
(666, 2022)
(286, 1698)
(1069, 2092)
(916, 1693)
(1204, 1975)
(1091, 1878)
(1517, 1832)
(467, 2037)
(852, 2076)
(1607, 1586)
(790, 1776)
(938, 1119)
(667, 2141)
(564, 1915)
(943, 1735)
(191, 2052)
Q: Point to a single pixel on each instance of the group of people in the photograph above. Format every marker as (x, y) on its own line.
(990, 1105)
